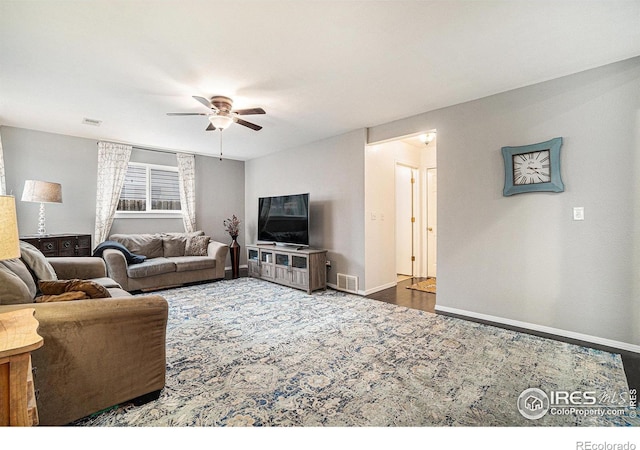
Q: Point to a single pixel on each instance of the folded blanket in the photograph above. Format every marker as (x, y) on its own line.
(130, 257)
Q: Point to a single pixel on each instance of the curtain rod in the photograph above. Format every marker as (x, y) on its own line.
(159, 150)
(140, 147)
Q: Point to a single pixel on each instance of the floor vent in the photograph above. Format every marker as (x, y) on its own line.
(347, 283)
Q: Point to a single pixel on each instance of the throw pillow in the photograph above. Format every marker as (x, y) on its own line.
(197, 246)
(64, 297)
(13, 290)
(19, 268)
(173, 245)
(37, 262)
(52, 287)
(90, 288)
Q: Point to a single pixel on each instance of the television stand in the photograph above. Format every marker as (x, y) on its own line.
(297, 267)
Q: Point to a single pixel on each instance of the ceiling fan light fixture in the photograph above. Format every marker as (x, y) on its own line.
(220, 121)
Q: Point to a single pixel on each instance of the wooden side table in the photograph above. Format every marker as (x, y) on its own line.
(18, 338)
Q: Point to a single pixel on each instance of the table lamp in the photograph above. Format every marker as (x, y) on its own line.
(41, 192)
(9, 240)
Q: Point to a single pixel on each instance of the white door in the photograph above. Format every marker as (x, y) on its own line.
(404, 224)
(432, 221)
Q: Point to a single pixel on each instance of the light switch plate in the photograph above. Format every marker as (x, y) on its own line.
(578, 213)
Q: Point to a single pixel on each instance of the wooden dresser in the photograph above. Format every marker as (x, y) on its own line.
(61, 244)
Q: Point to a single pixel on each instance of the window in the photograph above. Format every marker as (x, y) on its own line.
(149, 188)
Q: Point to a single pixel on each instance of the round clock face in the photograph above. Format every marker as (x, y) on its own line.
(531, 168)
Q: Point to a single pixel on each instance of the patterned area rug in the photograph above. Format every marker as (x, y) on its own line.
(247, 352)
(428, 285)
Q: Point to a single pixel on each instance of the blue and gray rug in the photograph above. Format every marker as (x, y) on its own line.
(246, 352)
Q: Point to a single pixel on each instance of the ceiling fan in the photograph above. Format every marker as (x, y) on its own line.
(221, 115)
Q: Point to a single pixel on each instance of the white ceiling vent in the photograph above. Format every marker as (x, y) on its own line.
(94, 122)
(347, 283)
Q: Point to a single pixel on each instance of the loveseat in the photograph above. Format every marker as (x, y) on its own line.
(97, 352)
(169, 259)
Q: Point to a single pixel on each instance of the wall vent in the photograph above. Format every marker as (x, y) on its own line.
(347, 283)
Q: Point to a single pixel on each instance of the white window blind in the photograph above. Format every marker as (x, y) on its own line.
(165, 191)
(150, 188)
(134, 191)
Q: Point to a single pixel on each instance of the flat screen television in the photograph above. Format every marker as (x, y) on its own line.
(284, 219)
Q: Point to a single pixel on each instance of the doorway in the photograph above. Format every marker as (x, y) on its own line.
(396, 215)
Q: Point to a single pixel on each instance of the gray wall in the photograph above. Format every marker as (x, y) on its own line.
(220, 194)
(523, 258)
(70, 161)
(73, 162)
(332, 172)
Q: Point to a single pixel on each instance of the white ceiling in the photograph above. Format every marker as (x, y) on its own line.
(319, 68)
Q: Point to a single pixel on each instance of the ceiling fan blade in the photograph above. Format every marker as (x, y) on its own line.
(248, 111)
(187, 114)
(253, 126)
(210, 127)
(205, 102)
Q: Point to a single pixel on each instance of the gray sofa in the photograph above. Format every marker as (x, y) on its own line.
(97, 352)
(169, 261)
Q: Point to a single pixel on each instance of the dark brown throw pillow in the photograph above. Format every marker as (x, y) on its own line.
(64, 297)
(91, 288)
(197, 246)
(53, 287)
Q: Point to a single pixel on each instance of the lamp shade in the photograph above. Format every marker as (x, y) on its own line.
(42, 192)
(9, 240)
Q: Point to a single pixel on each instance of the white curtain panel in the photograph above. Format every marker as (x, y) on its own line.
(112, 167)
(187, 173)
(3, 181)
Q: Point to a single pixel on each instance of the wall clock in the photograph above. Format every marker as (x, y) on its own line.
(532, 168)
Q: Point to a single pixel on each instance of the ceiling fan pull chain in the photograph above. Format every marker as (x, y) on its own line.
(220, 144)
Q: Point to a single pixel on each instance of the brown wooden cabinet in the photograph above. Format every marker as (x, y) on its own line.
(61, 244)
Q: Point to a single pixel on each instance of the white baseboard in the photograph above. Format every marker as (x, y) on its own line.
(544, 329)
(242, 266)
(378, 288)
(368, 291)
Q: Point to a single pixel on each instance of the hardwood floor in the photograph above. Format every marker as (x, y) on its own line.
(425, 301)
(410, 298)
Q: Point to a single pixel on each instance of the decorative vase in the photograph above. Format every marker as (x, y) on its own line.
(234, 251)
